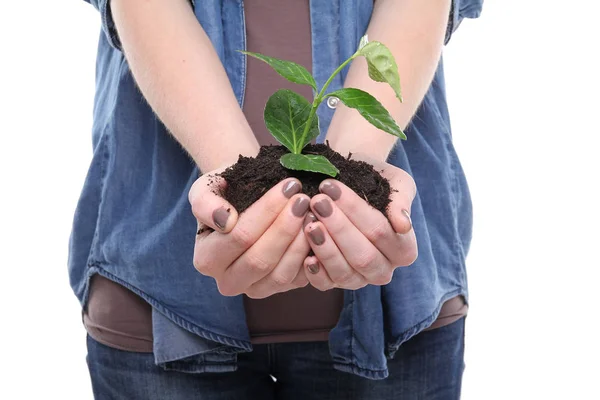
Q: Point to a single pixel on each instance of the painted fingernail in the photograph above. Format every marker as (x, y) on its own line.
(313, 268)
(331, 189)
(291, 188)
(310, 217)
(220, 217)
(317, 236)
(407, 215)
(323, 208)
(300, 206)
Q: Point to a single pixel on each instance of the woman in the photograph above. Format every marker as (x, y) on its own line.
(342, 323)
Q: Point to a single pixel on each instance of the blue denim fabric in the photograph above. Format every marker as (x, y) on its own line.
(427, 367)
(133, 223)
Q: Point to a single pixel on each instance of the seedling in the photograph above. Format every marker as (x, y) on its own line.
(293, 120)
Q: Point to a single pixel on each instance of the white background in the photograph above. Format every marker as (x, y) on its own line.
(523, 89)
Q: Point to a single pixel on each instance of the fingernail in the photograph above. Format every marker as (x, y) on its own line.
(317, 236)
(220, 217)
(331, 189)
(313, 268)
(291, 188)
(407, 215)
(310, 217)
(300, 206)
(323, 208)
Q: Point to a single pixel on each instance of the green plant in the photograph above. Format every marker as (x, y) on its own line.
(293, 121)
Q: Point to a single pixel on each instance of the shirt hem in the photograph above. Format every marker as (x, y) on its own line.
(239, 345)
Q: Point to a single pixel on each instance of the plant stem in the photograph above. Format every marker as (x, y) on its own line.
(319, 98)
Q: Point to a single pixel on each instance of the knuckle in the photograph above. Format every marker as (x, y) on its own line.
(345, 279)
(406, 179)
(196, 207)
(409, 255)
(366, 261)
(192, 194)
(411, 185)
(384, 278)
(301, 280)
(287, 229)
(241, 237)
(257, 264)
(301, 283)
(201, 264)
(281, 279)
(379, 231)
(323, 287)
(226, 289)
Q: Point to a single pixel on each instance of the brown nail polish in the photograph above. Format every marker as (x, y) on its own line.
(313, 268)
(291, 188)
(331, 189)
(407, 215)
(310, 217)
(220, 217)
(317, 236)
(323, 208)
(300, 206)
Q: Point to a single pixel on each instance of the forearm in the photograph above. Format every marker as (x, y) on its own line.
(414, 32)
(183, 80)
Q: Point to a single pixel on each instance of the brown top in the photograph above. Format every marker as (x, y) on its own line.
(119, 318)
(281, 29)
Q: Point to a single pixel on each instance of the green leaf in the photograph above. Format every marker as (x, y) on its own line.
(382, 65)
(289, 70)
(370, 108)
(286, 114)
(310, 163)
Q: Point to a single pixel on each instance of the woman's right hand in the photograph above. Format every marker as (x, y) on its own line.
(258, 253)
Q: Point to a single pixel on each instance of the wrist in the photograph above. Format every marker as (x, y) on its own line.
(226, 152)
(348, 134)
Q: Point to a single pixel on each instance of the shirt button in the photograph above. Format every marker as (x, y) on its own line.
(332, 102)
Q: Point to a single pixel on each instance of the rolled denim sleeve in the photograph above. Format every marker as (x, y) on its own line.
(459, 10)
(108, 24)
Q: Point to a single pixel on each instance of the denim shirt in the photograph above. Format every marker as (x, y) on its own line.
(133, 223)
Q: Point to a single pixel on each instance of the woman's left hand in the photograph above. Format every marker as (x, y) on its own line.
(355, 244)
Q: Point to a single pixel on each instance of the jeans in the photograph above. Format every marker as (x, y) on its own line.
(427, 367)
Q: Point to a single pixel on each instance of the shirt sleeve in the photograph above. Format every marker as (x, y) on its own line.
(108, 24)
(459, 10)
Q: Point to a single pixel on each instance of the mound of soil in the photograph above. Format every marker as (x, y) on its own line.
(251, 177)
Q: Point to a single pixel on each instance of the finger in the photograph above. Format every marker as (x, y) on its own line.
(218, 251)
(400, 199)
(403, 193)
(261, 259)
(317, 275)
(208, 205)
(300, 280)
(398, 249)
(358, 251)
(285, 276)
(330, 257)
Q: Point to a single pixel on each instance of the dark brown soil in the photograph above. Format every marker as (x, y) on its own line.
(250, 178)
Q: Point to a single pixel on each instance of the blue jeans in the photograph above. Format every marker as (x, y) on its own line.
(427, 367)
